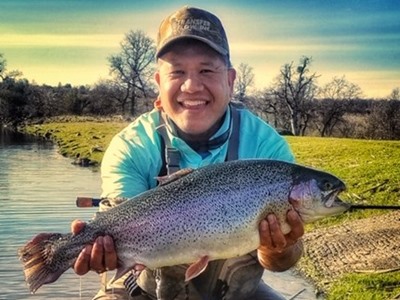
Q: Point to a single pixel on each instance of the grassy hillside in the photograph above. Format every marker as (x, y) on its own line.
(371, 169)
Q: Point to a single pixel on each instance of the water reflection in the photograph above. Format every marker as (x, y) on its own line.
(38, 188)
(9, 138)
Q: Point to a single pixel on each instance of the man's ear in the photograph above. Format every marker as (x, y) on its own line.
(157, 103)
(231, 79)
(157, 77)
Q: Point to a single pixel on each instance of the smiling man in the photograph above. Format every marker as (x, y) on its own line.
(195, 86)
(193, 124)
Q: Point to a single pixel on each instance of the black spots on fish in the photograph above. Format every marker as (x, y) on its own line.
(207, 210)
(208, 204)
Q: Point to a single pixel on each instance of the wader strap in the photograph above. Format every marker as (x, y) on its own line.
(170, 155)
(233, 146)
(131, 285)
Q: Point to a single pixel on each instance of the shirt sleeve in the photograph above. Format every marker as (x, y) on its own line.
(260, 140)
(130, 165)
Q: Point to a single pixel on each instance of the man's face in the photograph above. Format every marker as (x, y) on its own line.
(195, 87)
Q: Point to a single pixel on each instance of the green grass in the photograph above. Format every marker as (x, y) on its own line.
(371, 170)
(79, 139)
(366, 287)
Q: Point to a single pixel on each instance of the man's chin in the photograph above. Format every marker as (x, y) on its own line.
(194, 130)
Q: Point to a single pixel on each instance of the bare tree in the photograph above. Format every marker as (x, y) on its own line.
(395, 94)
(133, 67)
(266, 105)
(384, 119)
(244, 80)
(104, 98)
(340, 89)
(3, 64)
(332, 106)
(3, 70)
(296, 88)
(13, 95)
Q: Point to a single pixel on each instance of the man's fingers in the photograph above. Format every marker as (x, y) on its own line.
(82, 263)
(277, 238)
(110, 256)
(265, 237)
(296, 223)
(77, 226)
(271, 235)
(97, 255)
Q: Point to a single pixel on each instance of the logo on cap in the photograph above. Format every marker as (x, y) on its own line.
(181, 25)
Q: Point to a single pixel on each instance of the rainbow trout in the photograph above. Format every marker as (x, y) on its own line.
(197, 216)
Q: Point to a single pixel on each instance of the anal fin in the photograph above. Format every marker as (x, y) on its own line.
(196, 268)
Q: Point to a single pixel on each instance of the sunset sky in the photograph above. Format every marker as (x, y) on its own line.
(68, 41)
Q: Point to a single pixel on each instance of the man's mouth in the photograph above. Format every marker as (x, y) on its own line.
(193, 104)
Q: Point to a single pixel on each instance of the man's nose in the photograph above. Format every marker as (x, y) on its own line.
(192, 84)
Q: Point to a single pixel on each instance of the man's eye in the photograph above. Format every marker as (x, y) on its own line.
(206, 71)
(177, 72)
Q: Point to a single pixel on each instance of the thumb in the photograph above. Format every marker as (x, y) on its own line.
(77, 226)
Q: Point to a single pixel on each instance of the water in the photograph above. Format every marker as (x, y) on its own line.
(38, 188)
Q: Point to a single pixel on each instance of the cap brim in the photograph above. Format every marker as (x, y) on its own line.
(214, 46)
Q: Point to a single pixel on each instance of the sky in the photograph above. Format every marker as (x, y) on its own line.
(69, 41)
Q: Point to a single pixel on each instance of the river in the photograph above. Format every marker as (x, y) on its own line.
(38, 188)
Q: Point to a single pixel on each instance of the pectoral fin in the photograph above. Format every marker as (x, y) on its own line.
(196, 268)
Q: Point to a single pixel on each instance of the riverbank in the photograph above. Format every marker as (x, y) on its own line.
(371, 170)
(83, 139)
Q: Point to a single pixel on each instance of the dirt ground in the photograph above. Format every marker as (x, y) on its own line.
(366, 246)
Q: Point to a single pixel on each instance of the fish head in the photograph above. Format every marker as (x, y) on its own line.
(314, 194)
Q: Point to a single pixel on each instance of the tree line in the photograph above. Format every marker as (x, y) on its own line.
(293, 103)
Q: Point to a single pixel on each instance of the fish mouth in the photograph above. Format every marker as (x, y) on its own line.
(332, 200)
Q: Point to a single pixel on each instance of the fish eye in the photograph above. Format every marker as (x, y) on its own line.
(327, 185)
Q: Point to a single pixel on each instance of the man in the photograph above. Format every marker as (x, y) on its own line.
(193, 124)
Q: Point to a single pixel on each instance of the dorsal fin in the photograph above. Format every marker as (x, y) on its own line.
(163, 180)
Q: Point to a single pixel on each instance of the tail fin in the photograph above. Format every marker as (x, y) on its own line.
(37, 259)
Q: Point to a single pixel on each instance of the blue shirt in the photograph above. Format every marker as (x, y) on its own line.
(133, 160)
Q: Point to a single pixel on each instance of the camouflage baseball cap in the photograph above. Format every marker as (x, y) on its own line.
(195, 23)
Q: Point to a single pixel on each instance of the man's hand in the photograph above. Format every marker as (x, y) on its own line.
(278, 251)
(99, 257)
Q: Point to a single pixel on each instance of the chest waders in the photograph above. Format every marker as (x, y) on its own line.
(223, 277)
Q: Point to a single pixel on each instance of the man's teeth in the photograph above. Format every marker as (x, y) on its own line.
(193, 103)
